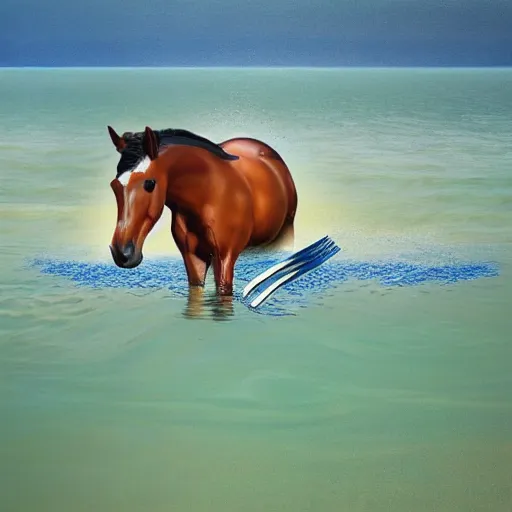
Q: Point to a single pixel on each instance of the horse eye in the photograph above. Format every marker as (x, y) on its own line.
(149, 185)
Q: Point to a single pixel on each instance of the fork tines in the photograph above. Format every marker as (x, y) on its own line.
(290, 269)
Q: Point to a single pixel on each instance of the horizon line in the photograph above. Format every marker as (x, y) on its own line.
(193, 67)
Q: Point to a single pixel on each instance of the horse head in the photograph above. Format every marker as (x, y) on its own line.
(140, 191)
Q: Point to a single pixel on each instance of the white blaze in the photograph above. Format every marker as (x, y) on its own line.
(142, 166)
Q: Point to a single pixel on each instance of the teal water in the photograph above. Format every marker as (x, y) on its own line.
(371, 398)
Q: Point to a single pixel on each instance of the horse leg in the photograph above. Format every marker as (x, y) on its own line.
(196, 268)
(227, 234)
(223, 271)
(224, 265)
(187, 243)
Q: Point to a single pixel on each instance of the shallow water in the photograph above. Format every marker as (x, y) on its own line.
(370, 397)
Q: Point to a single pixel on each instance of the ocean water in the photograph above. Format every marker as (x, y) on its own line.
(384, 385)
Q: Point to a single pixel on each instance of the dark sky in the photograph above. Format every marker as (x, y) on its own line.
(251, 33)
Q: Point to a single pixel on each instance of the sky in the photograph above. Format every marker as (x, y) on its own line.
(252, 33)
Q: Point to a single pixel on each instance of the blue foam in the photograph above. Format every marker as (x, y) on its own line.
(170, 274)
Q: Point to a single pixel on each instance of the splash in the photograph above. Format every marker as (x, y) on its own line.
(169, 274)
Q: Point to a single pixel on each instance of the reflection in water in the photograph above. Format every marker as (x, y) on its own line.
(221, 307)
(195, 300)
(200, 303)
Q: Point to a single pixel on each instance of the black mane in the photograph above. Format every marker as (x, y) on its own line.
(133, 152)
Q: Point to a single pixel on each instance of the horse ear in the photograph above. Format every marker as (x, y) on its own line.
(116, 140)
(150, 143)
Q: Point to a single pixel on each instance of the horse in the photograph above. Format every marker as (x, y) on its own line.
(224, 199)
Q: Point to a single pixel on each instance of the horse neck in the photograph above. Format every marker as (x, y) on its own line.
(186, 169)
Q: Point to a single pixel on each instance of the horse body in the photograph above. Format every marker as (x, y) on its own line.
(273, 193)
(220, 204)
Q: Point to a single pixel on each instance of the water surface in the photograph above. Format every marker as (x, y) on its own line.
(372, 397)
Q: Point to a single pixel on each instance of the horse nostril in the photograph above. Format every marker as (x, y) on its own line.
(128, 251)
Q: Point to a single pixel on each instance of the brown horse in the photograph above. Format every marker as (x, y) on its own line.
(224, 198)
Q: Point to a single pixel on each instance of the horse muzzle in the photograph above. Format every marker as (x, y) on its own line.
(127, 256)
